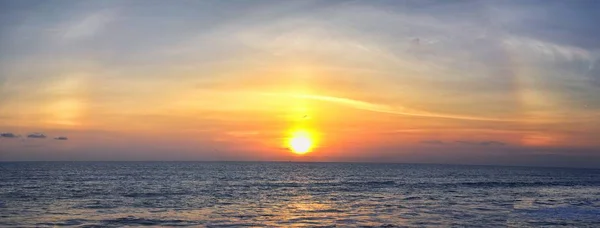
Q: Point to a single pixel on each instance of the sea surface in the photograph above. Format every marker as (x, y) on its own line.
(288, 194)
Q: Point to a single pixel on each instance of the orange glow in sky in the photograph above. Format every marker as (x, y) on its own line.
(352, 81)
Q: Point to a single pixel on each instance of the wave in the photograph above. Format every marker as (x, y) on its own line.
(352, 185)
(69, 222)
(567, 213)
(327, 211)
(372, 183)
(133, 221)
(527, 184)
(145, 194)
(99, 206)
(498, 184)
(413, 198)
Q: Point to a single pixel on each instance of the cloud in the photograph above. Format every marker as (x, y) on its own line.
(89, 26)
(8, 135)
(398, 110)
(36, 136)
(492, 143)
(464, 142)
(481, 143)
(593, 73)
(548, 50)
(433, 142)
(61, 138)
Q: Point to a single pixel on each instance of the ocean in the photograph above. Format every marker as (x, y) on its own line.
(289, 194)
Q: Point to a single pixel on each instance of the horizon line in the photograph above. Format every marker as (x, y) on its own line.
(291, 161)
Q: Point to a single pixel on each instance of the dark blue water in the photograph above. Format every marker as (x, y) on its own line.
(79, 194)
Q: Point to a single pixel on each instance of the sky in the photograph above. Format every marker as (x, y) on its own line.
(458, 82)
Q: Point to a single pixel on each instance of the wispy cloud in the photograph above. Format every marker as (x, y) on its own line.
(398, 110)
(89, 25)
(551, 51)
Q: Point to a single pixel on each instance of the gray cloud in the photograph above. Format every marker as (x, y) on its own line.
(433, 142)
(481, 143)
(492, 143)
(36, 136)
(61, 138)
(8, 135)
(464, 142)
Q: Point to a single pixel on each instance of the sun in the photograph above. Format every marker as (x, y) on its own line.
(300, 142)
(300, 145)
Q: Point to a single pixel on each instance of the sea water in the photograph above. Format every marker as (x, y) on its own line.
(285, 194)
